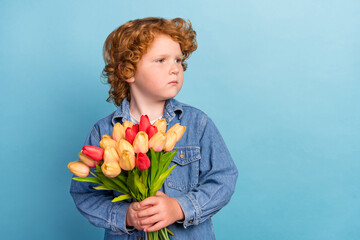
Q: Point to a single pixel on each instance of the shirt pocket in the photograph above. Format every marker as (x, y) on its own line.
(186, 174)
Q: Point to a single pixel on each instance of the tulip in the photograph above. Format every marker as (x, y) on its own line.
(127, 124)
(87, 160)
(141, 142)
(107, 142)
(79, 168)
(170, 141)
(106, 136)
(127, 160)
(151, 131)
(118, 132)
(110, 154)
(93, 152)
(161, 125)
(142, 161)
(111, 169)
(179, 130)
(157, 142)
(144, 123)
(130, 134)
(124, 145)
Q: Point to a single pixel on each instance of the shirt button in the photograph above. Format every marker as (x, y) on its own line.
(139, 238)
(182, 155)
(190, 221)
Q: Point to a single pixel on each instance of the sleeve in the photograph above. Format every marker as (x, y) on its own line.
(217, 178)
(96, 205)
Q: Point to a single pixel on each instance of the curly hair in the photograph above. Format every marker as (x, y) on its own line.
(125, 46)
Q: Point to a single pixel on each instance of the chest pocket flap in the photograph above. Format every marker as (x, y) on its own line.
(186, 174)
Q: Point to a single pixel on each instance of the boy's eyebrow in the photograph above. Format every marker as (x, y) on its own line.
(167, 55)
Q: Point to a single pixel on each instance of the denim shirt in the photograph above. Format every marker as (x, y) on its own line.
(202, 182)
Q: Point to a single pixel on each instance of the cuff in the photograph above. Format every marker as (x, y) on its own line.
(118, 218)
(191, 209)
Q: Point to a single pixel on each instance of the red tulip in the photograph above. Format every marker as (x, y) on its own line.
(135, 127)
(151, 131)
(144, 123)
(130, 135)
(93, 152)
(142, 161)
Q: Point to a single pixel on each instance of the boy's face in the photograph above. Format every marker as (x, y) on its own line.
(159, 74)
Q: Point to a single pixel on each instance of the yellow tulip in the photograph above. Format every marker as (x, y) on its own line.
(87, 160)
(118, 132)
(170, 141)
(79, 168)
(157, 142)
(107, 142)
(110, 154)
(127, 124)
(124, 145)
(106, 136)
(178, 129)
(127, 160)
(111, 169)
(161, 125)
(141, 142)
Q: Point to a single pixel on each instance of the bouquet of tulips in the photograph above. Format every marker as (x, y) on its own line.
(133, 161)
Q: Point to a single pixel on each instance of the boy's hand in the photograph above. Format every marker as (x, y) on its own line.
(158, 212)
(132, 218)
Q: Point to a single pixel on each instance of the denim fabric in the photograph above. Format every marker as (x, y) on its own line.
(203, 182)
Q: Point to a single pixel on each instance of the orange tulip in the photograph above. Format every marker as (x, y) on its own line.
(87, 160)
(111, 169)
(178, 129)
(157, 142)
(107, 142)
(170, 141)
(141, 142)
(127, 124)
(124, 145)
(161, 125)
(118, 132)
(110, 154)
(106, 136)
(79, 168)
(127, 160)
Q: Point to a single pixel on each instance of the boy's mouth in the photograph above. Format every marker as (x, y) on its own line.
(173, 82)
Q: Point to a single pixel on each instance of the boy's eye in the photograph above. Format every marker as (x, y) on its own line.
(178, 60)
(161, 60)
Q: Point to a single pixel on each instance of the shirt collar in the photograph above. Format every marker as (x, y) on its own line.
(172, 107)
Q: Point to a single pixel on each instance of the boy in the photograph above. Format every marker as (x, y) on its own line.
(145, 60)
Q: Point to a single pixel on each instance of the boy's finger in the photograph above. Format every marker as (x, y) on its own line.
(156, 227)
(146, 212)
(135, 206)
(148, 201)
(158, 193)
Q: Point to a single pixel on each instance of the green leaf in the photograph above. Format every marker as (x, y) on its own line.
(108, 183)
(88, 179)
(154, 167)
(121, 185)
(165, 161)
(131, 183)
(101, 188)
(157, 185)
(121, 198)
(170, 232)
(140, 185)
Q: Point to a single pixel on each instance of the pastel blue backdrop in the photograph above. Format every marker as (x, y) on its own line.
(281, 79)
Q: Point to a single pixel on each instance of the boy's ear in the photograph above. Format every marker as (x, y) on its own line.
(130, 80)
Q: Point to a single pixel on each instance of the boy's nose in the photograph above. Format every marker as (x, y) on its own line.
(174, 69)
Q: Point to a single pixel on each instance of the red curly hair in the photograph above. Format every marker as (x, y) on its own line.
(125, 46)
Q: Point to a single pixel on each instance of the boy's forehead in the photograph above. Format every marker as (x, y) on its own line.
(163, 44)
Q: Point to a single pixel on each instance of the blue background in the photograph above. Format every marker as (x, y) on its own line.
(281, 79)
